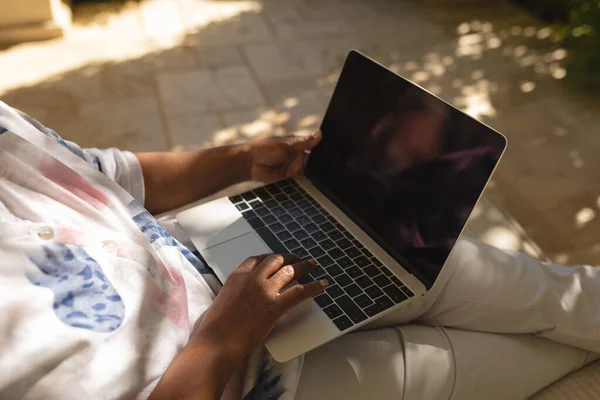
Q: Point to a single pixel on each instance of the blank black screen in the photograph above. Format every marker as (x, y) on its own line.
(407, 167)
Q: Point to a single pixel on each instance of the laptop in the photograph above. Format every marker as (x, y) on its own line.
(383, 199)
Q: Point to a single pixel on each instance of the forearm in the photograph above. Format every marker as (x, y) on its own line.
(198, 372)
(174, 179)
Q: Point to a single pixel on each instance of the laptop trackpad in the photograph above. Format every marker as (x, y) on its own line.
(224, 258)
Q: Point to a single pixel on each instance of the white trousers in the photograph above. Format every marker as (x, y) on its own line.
(496, 325)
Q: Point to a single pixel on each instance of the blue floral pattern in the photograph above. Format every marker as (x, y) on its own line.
(268, 385)
(83, 295)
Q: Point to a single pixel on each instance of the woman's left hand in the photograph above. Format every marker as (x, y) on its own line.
(277, 158)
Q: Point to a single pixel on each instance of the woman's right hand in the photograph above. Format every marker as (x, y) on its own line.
(244, 312)
(251, 301)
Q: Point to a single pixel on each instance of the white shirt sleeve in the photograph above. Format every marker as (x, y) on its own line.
(121, 166)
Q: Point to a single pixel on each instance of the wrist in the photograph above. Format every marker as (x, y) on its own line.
(200, 371)
(244, 157)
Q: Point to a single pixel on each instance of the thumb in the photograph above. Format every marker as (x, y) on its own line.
(306, 142)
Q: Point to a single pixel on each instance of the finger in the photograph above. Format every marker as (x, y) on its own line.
(301, 143)
(304, 161)
(251, 262)
(295, 166)
(273, 262)
(298, 293)
(288, 273)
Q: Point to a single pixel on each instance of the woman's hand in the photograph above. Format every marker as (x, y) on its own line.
(245, 311)
(277, 158)
(251, 301)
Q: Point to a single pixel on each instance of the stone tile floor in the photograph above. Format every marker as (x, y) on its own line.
(180, 74)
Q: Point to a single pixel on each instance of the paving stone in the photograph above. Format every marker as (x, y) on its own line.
(202, 90)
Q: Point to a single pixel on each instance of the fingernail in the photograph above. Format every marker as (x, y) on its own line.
(312, 261)
(324, 282)
(289, 269)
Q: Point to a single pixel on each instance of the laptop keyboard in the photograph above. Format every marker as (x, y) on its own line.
(289, 220)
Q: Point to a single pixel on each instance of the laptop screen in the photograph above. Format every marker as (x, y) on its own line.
(407, 167)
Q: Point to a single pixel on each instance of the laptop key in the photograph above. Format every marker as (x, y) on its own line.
(284, 235)
(349, 235)
(278, 211)
(311, 212)
(371, 270)
(373, 292)
(333, 311)
(262, 193)
(335, 235)
(376, 262)
(354, 271)
(269, 238)
(285, 219)
(362, 261)
(327, 226)
(242, 206)
(256, 223)
(273, 189)
(351, 309)
(407, 292)
(363, 301)
(367, 253)
(331, 218)
(281, 197)
(248, 196)
(396, 280)
(295, 212)
(373, 310)
(343, 323)
(268, 218)
(318, 272)
(316, 252)
(235, 199)
(327, 244)
(387, 272)
(363, 281)
(249, 214)
(394, 293)
(288, 205)
(353, 252)
(276, 227)
(310, 228)
(325, 261)
(336, 253)
(303, 204)
(382, 280)
(292, 226)
(334, 291)
(291, 244)
(319, 235)
(303, 220)
(334, 270)
(296, 196)
(290, 190)
(345, 262)
(323, 300)
(353, 290)
(308, 243)
(344, 243)
(256, 204)
(300, 252)
(319, 219)
(300, 234)
(384, 302)
(270, 203)
(343, 280)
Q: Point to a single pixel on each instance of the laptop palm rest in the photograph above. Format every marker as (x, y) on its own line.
(227, 256)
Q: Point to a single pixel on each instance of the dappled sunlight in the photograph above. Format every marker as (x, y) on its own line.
(584, 216)
(95, 42)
